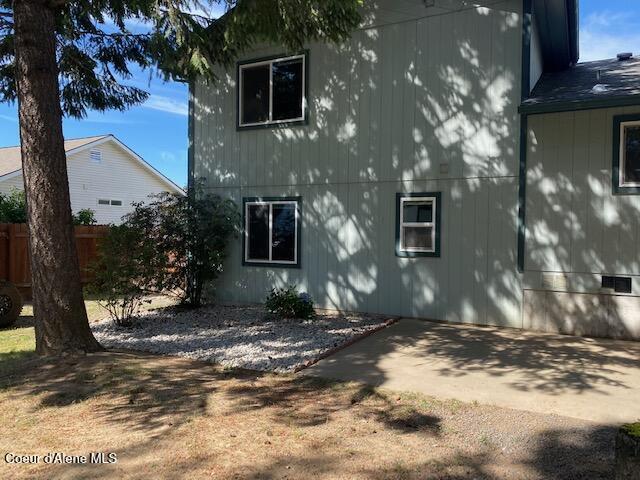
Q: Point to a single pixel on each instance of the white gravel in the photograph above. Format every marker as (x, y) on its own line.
(237, 336)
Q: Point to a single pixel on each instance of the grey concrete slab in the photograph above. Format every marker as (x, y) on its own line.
(593, 379)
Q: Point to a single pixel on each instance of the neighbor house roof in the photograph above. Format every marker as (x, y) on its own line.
(11, 158)
(604, 83)
(11, 161)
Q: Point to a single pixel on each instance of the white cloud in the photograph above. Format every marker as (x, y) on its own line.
(107, 118)
(604, 34)
(605, 19)
(600, 46)
(166, 104)
(9, 118)
(166, 156)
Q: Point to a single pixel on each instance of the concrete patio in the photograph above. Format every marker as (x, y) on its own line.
(592, 379)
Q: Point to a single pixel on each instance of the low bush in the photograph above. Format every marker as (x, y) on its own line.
(13, 207)
(288, 303)
(192, 233)
(124, 272)
(86, 216)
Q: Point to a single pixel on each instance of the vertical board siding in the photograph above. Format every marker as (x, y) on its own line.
(574, 222)
(422, 99)
(348, 260)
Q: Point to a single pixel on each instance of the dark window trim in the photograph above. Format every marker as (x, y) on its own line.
(267, 264)
(527, 26)
(285, 124)
(618, 120)
(438, 222)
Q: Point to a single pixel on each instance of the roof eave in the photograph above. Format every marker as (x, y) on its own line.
(558, 27)
(576, 105)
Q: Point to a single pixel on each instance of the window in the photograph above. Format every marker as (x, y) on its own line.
(272, 91)
(114, 203)
(418, 224)
(626, 156)
(272, 231)
(96, 156)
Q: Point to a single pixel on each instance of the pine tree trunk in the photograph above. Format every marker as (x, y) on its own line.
(61, 318)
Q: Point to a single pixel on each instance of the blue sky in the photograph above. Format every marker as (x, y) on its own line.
(157, 130)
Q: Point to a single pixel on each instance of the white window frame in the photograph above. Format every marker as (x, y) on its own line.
(270, 62)
(271, 203)
(109, 202)
(432, 223)
(623, 156)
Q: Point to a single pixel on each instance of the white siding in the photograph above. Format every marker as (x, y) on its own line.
(536, 61)
(6, 186)
(421, 102)
(117, 177)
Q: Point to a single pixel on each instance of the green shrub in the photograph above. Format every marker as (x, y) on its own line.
(86, 216)
(288, 303)
(124, 272)
(632, 429)
(13, 207)
(192, 233)
(175, 244)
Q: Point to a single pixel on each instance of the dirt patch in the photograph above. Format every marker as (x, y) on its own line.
(172, 418)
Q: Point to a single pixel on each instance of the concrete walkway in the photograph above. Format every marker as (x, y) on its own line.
(586, 378)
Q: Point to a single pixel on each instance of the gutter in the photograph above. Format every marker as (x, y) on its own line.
(576, 105)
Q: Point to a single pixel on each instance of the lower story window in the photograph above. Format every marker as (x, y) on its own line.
(271, 231)
(626, 156)
(418, 224)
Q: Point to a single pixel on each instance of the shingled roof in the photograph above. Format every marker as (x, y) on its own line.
(11, 159)
(604, 83)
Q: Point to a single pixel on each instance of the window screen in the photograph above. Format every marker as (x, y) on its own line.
(631, 155)
(417, 224)
(255, 94)
(287, 89)
(272, 91)
(258, 232)
(271, 231)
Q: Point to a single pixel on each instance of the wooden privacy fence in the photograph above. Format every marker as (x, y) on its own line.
(14, 252)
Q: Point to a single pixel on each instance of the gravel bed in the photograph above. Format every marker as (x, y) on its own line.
(238, 336)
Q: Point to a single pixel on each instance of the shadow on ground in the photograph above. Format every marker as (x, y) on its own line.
(179, 418)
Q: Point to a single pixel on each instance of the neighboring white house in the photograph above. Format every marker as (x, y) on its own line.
(104, 175)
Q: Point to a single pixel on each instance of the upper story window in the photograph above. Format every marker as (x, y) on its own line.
(272, 231)
(96, 156)
(626, 156)
(272, 92)
(418, 224)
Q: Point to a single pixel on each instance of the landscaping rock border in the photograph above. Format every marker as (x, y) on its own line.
(242, 336)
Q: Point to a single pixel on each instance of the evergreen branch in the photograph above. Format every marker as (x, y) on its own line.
(101, 34)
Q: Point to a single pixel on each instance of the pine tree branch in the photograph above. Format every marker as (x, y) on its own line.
(102, 34)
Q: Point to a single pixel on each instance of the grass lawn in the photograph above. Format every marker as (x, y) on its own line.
(169, 417)
(17, 344)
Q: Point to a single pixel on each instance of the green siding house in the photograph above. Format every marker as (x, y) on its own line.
(450, 162)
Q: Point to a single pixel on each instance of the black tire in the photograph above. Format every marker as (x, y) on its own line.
(10, 304)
